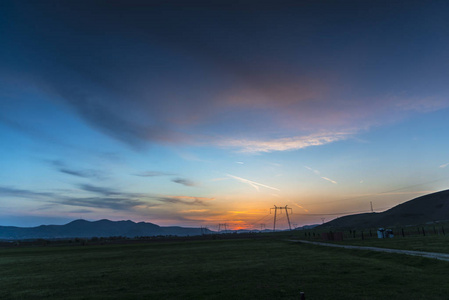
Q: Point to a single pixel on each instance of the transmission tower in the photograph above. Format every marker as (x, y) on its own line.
(280, 208)
(224, 225)
(204, 230)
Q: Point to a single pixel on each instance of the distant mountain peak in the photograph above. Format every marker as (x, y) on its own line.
(77, 221)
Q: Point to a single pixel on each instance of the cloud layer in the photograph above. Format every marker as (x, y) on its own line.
(257, 79)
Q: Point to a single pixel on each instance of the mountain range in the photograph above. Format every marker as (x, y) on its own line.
(425, 209)
(101, 228)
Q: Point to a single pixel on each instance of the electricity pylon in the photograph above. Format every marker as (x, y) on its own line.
(280, 210)
(224, 226)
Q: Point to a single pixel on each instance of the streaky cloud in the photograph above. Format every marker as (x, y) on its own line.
(183, 200)
(153, 174)
(87, 173)
(285, 144)
(318, 173)
(254, 184)
(184, 181)
(116, 203)
(328, 179)
(194, 211)
(99, 190)
(102, 202)
(23, 193)
(314, 171)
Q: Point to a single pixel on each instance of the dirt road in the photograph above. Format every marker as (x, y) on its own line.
(440, 256)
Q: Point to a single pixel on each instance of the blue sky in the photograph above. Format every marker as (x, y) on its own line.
(199, 113)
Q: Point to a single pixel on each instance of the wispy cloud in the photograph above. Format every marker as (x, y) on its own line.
(184, 181)
(254, 184)
(112, 122)
(301, 207)
(284, 144)
(188, 211)
(110, 199)
(318, 173)
(86, 173)
(219, 179)
(444, 165)
(23, 193)
(188, 200)
(153, 174)
(314, 171)
(105, 191)
(103, 202)
(81, 211)
(425, 104)
(328, 179)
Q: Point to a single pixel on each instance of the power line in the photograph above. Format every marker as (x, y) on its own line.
(259, 220)
(334, 214)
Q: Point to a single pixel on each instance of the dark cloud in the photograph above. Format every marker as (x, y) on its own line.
(112, 123)
(182, 200)
(153, 174)
(184, 181)
(174, 73)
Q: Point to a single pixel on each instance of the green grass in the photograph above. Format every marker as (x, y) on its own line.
(218, 269)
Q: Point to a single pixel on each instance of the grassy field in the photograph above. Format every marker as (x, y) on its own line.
(431, 242)
(217, 269)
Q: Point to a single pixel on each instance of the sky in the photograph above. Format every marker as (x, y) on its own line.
(200, 113)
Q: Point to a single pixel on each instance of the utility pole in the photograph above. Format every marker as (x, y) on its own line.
(276, 208)
(371, 202)
(262, 227)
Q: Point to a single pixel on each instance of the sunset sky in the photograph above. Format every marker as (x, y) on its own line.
(198, 113)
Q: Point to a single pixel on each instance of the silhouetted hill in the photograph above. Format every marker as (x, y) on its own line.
(424, 209)
(101, 228)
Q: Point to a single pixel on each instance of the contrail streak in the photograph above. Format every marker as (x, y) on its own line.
(253, 183)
